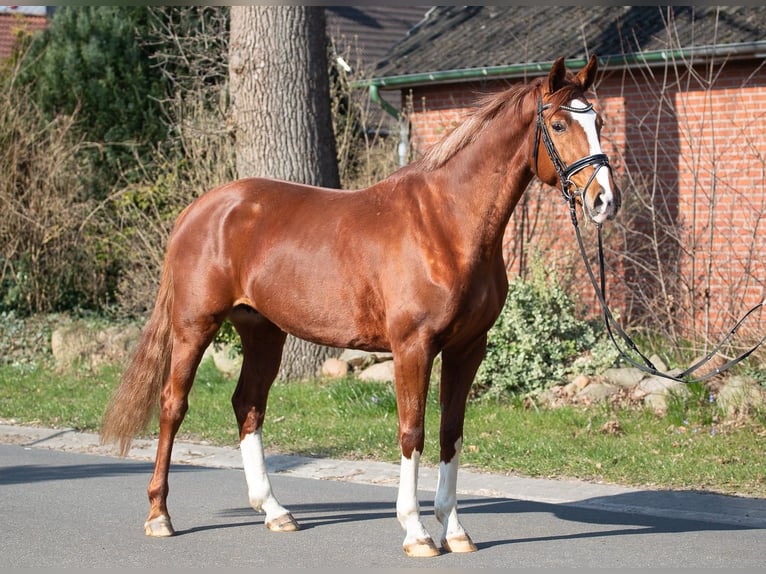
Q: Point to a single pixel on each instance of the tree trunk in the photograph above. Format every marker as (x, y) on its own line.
(280, 103)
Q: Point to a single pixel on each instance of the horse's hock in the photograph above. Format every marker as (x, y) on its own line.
(80, 344)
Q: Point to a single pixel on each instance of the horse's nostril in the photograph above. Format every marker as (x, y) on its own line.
(599, 205)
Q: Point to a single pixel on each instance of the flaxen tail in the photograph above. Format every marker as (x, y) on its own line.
(136, 399)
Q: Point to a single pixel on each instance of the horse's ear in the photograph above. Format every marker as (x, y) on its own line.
(557, 75)
(587, 75)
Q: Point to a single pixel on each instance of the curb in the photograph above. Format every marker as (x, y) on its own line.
(688, 505)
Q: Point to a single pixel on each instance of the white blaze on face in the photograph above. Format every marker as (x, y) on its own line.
(587, 121)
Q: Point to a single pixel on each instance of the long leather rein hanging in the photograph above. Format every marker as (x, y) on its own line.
(598, 161)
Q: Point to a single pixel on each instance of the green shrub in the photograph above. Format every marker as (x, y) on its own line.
(536, 339)
(89, 64)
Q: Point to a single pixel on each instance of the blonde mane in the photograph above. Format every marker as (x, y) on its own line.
(489, 107)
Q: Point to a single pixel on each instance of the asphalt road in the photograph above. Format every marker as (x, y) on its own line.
(64, 503)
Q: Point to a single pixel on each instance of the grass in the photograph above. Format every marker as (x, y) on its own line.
(691, 447)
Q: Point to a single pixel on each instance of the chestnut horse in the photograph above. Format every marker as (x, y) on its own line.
(412, 265)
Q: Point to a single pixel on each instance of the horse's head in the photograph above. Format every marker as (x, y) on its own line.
(566, 148)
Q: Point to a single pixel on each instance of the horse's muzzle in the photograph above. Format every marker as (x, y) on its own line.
(603, 205)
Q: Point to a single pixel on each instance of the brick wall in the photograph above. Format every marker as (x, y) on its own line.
(689, 153)
(14, 26)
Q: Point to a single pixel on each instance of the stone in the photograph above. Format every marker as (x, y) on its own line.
(357, 359)
(79, 344)
(657, 403)
(740, 395)
(625, 377)
(658, 363)
(596, 392)
(226, 359)
(577, 385)
(68, 345)
(656, 385)
(382, 372)
(335, 368)
(656, 391)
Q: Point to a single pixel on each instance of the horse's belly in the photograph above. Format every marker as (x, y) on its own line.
(324, 319)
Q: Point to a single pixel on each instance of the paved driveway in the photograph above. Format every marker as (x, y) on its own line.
(64, 502)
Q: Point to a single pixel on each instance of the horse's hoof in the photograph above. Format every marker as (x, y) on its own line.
(284, 523)
(424, 548)
(462, 543)
(159, 527)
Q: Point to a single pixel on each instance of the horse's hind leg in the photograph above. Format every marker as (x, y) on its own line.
(189, 345)
(262, 344)
(458, 370)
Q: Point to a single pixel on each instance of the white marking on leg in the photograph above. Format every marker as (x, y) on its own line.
(445, 502)
(407, 507)
(258, 484)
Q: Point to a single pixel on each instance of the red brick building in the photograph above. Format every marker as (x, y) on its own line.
(683, 92)
(18, 21)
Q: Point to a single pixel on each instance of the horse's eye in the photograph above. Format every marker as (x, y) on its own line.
(559, 127)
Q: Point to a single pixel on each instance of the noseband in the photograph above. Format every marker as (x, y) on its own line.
(565, 172)
(570, 191)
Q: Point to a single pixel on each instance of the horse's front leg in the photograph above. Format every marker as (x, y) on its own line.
(412, 368)
(458, 370)
(261, 354)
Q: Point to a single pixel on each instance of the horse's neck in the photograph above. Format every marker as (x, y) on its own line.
(483, 183)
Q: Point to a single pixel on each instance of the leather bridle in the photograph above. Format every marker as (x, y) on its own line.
(565, 172)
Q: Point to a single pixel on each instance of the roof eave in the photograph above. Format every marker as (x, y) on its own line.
(651, 58)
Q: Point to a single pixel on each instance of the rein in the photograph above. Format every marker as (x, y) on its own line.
(600, 160)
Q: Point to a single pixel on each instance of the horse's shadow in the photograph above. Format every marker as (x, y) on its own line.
(594, 511)
(309, 515)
